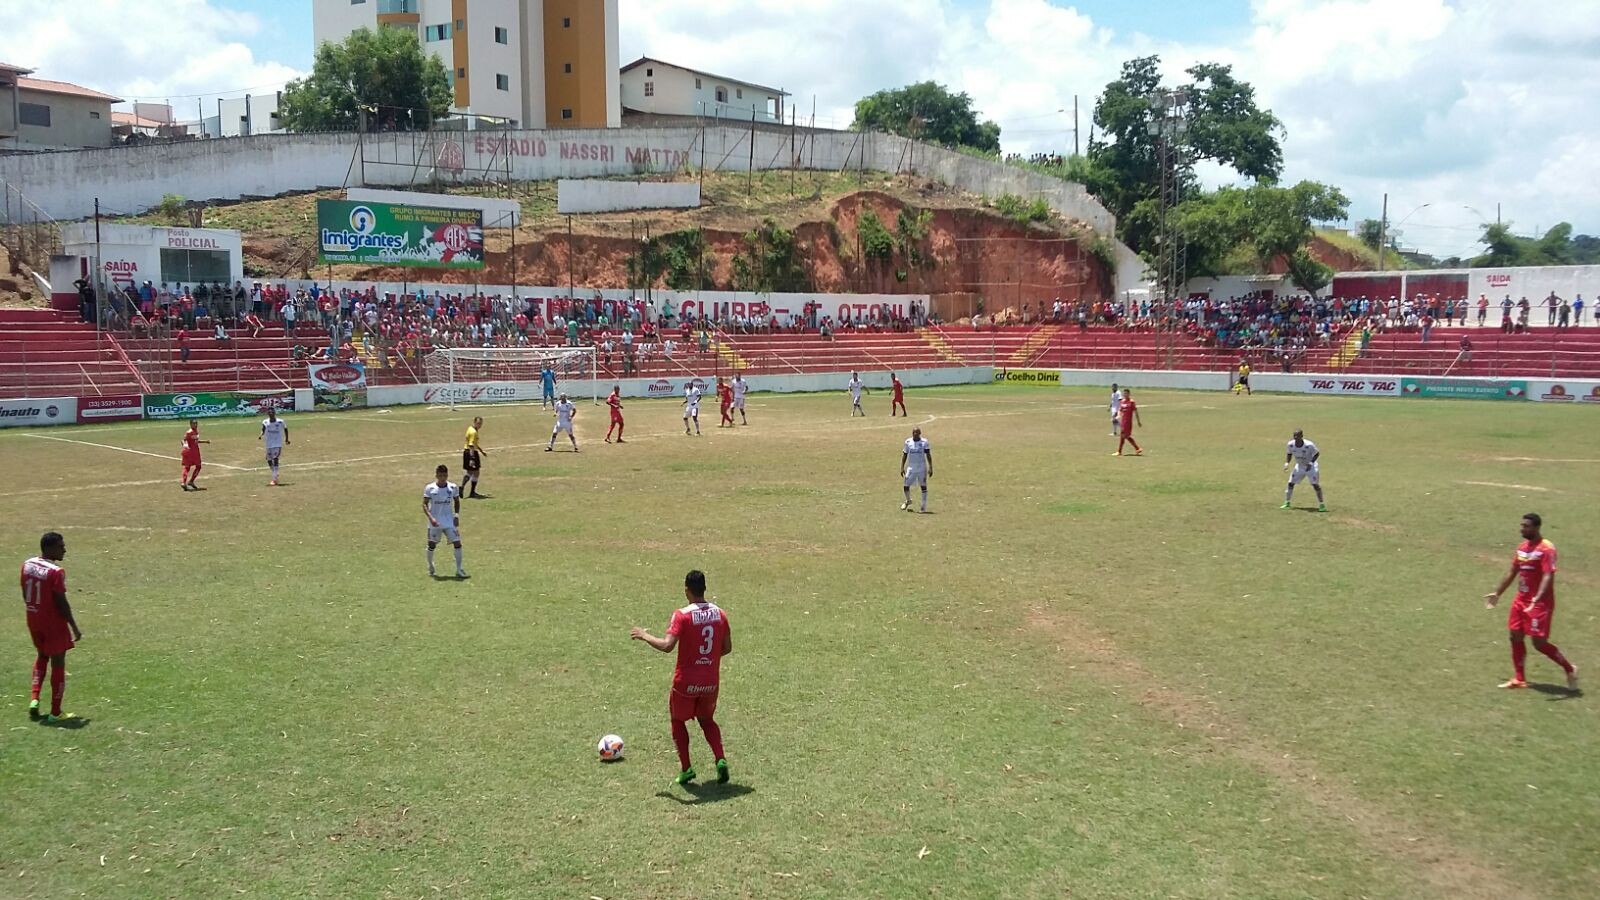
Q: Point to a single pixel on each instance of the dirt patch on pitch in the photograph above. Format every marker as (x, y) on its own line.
(1365, 524)
(1453, 871)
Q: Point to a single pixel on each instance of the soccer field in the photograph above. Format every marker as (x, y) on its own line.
(1081, 675)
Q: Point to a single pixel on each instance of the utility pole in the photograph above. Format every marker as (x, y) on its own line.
(750, 181)
(1074, 124)
(1383, 231)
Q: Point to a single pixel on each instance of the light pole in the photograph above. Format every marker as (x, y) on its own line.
(1383, 228)
(1169, 125)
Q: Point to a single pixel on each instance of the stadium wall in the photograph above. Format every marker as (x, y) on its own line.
(659, 388)
(581, 196)
(133, 179)
(1582, 391)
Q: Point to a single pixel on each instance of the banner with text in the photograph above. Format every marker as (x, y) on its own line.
(50, 411)
(1383, 387)
(392, 234)
(210, 404)
(1569, 391)
(1460, 388)
(1050, 377)
(112, 408)
(338, 385)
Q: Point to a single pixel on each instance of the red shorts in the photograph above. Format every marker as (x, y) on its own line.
(1533, 623)
(1127, 431)
(616, 417)
(189, 461)
(52, 641)
(692, 706)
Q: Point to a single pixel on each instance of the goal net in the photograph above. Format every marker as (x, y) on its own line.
(576, 369)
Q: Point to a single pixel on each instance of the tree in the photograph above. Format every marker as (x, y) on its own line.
(1504, 248)
(1370, 232)
(1224, 123)
(928, 111)
(385, 71)
(1272, 223)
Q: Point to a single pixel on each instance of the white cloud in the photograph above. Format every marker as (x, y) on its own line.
(1453, 103)
(140, 50)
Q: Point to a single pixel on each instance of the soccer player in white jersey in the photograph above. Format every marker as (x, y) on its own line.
(916, 462)
(275, 434)
(691, 407)
(1116, 406)
(441, 503)
(856, 387)
(740, 388)
(1303, 454)
(564, 412)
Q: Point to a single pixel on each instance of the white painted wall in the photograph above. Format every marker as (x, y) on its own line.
(530, 33)
(136, 178)
(333, 20)
(488, 59)
(590, 195)
(497, 213)
(613, 64)
(131, 254)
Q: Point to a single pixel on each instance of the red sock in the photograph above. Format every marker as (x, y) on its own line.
(713, 736)
(1519, 652)
(1549, 649)
(58, 687)
(680, 737)
(38, 675)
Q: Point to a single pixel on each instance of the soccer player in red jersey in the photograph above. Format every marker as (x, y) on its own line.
(615, 402)
(701, 634)
(190, 456)
(1129, 411)
(899, 400)
(725, 400)
(1533, 568)
(50, 621)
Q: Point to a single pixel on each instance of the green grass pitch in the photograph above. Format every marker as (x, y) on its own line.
(1080, 675)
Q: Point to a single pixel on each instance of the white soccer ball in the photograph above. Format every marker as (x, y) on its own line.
(610, 748)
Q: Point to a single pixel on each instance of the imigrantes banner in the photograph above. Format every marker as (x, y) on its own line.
(209, 404)
(391, 234)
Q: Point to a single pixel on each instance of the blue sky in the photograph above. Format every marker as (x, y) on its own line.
(1455, 104)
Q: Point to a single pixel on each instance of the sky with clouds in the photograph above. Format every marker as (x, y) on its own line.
(1449, 106)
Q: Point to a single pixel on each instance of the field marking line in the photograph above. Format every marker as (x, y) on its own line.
(1454, 871)
(1514, 487)
(1537, 459)
(47, 437)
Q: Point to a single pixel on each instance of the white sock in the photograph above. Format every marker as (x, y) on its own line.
(430, 558)
(458, 558)
(924, 499)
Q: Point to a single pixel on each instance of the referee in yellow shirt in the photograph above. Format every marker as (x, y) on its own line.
(1242, 384)
(472, 456)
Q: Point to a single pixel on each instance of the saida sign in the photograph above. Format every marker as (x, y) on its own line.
(392, 234)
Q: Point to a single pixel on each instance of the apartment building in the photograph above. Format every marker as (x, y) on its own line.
(533, 63)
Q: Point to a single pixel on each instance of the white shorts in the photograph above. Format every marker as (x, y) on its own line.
(273, 453)
(450, 533)
(916, 477)
(560, 427)
(856, 399)
(1300, 474)
(738, 403)
(691, 412)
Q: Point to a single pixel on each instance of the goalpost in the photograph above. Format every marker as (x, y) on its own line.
(577, 368)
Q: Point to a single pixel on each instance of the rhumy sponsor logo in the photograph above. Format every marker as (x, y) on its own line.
(1593, 396)
(659, 387)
